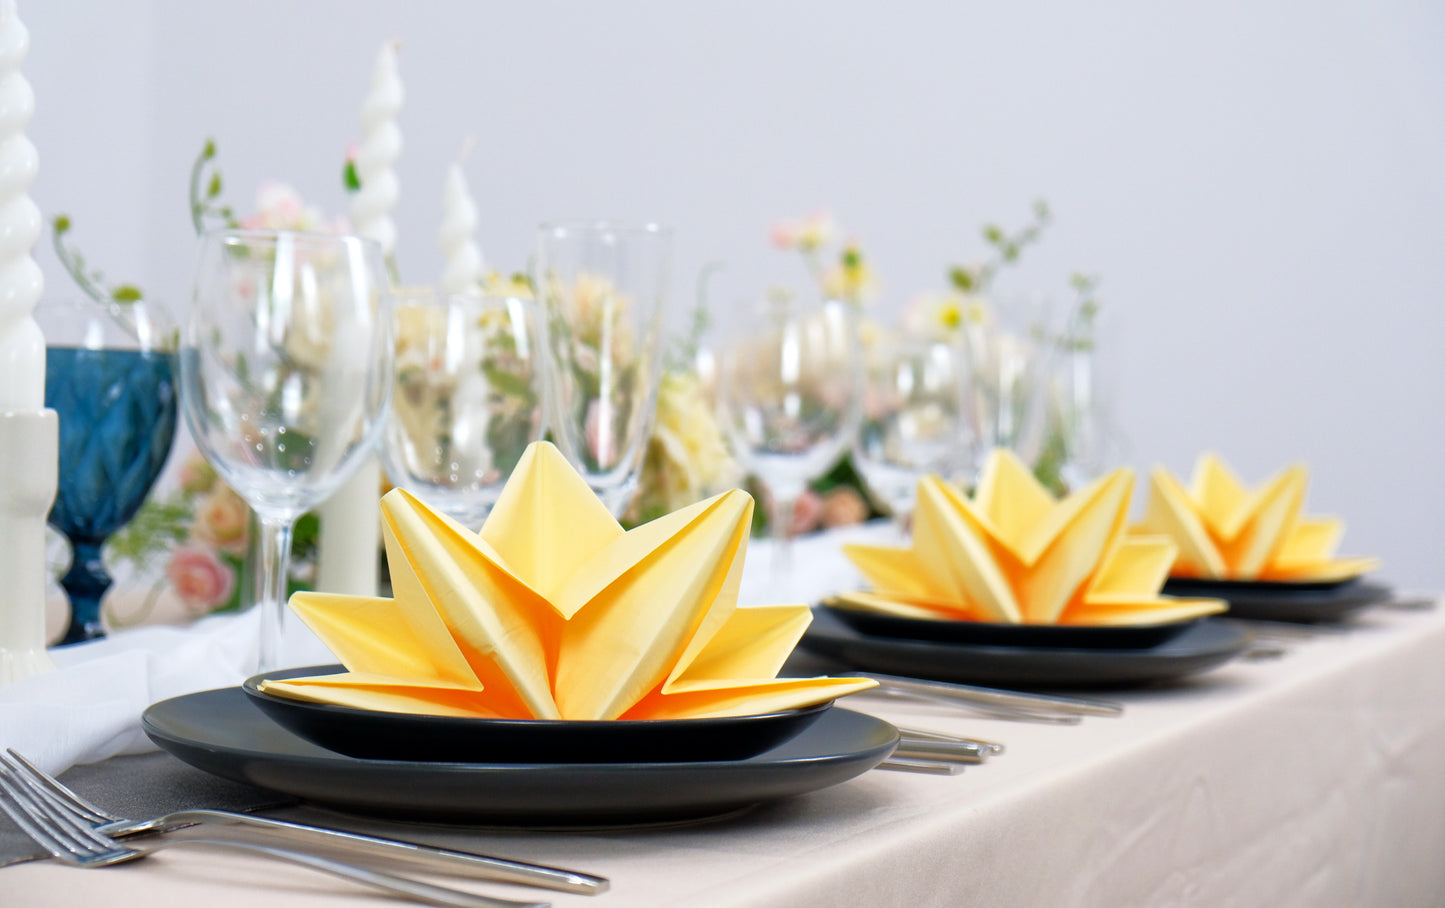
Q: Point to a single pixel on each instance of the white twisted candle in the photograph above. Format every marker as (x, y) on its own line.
(463, 263)
(22, 347)
(29, 434)
(372, 205)
(347, 559)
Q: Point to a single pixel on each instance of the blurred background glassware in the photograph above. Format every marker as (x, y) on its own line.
(1007, 360)
(469, 397)
(913, 419)
(111, 379)
(788, 390)
(286, 379)
(1081, 440)
(604, 287)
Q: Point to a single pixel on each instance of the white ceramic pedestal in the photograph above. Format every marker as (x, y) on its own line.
(29, 454)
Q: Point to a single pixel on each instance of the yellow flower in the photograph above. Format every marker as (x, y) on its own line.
(942, 315)
(687, 458)
(806, 234)
(494, 283)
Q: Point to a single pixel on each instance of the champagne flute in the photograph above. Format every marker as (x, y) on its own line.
(913, 419)
(285, 379)
(604, 286)
(788, 395)
(469, 398)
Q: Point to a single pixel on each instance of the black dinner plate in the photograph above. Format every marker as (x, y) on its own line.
(221, 732)
(1204, 645)
(984, 633)
(381, 735)
(1276, 601)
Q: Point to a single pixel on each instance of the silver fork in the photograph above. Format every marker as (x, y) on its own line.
(43, 785)
(72, 840)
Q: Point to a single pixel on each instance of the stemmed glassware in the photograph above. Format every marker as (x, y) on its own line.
(604, 286)
(1006, 359)
(788, 390)
(285, 378)
(112, 382)
(469, 397)
(913, 419)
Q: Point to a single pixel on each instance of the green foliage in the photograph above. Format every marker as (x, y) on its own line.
(90, 280)
(350, 179)
(156, 527)
(206, 187)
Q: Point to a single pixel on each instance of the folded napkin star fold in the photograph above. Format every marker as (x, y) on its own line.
(553, 611)
(1016, 554)
(1226, 530)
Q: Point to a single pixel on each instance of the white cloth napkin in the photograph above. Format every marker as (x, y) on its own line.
(90, 708)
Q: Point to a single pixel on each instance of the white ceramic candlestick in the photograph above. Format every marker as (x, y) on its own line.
(464, 265)
(29, 433)
(350, 533)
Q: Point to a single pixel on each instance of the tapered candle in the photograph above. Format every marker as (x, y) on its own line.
(376, 156)
(22, 347)
(347, 558)
(463, 263)
(29, 433)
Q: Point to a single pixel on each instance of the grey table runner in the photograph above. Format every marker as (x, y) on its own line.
(140, 787)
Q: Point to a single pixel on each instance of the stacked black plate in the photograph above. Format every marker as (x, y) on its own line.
(1021, 656)
(1262, 600)
(514, 772)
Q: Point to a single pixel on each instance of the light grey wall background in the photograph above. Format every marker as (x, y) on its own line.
(1260, 184)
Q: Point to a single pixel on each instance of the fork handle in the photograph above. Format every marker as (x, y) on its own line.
(442, 860)
(387, 882)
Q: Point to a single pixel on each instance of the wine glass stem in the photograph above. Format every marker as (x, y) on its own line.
(275, 565)
(85, 584)
(784, 502)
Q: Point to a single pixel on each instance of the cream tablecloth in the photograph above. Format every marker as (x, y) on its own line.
(1317, 778)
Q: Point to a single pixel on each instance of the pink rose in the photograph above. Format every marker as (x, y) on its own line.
(222, 520)
(196, 475)
(784, 235)
(843, 506)
(201, 580)
(807, 511)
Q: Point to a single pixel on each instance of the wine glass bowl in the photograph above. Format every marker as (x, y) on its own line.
(469, 397)
(788, 392)
(285, 377)
(604, 287)
(913, 418)
(112, 382)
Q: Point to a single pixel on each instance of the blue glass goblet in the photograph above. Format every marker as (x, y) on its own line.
(113, 385)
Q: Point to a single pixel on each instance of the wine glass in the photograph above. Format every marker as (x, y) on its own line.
(469, 397)
(111, 380)
(604, 286)
(788, 394)
(285, 378)
(913, 420)
(1006, 362)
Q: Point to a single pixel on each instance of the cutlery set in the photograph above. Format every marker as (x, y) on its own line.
(79, 833)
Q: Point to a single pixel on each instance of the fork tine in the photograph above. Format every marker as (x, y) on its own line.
(36, 789)
(60, 833)
(74, 802)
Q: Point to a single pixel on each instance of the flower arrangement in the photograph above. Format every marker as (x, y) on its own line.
(1040, 365)
(841, 271)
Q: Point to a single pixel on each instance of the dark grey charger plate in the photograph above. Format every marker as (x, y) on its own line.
(1202, 646)
(1296, 602)
(221, 732)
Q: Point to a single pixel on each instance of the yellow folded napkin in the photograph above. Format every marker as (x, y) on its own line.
(1228, 531)
(1016, 554)
(552, 611)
